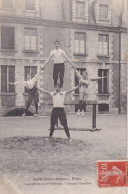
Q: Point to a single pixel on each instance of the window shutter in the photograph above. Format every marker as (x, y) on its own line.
(30, 4)
(27, 70)
(33, 71)
(77, 83)
(33, 42)
(7, 37)
(100, 81)
(105, 81)
(3, 78)
(11, 78)
(27, 42)
(7, 3)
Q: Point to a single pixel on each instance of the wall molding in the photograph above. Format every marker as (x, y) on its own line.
(40, 22)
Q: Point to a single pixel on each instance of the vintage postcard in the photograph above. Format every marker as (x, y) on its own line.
(63, 96)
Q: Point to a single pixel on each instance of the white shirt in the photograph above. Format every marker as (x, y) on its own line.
(85, 82)
(58, 99)
(58, 55)
(29, 83)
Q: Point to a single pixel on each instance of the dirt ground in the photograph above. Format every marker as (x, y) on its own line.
(36, 165)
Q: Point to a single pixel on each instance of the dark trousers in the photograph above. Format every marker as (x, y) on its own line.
(59, 113)
(58, 71)
(82, 105)
(32, 95)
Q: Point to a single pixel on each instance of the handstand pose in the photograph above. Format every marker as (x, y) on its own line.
(58, 56)
(33, 94)
(58, 109)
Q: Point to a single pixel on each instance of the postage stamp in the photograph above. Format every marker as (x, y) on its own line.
(112, 173)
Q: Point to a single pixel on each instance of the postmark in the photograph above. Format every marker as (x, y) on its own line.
(112, 173)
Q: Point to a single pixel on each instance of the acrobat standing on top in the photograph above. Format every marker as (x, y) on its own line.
(33, 94)
(58, 55)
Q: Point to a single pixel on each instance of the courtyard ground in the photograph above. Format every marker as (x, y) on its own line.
(34, 165)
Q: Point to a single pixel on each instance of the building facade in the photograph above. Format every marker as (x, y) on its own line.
(89, 31)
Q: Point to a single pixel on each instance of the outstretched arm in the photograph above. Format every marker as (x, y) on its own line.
(96, 78)
(68, 59)
(34, 79)
(44, 91)
(17, 83)
(46, 62)
(72, 89)
(80, 77)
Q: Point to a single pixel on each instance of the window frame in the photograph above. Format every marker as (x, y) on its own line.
(30, 50)
(27, 9)
(107, 36)
(25, 74)
(8, 86)
(3, 47)
(101, 82)
(79, 3)
(77, 91)
(101, 11)
(6, 7)
(79, 53)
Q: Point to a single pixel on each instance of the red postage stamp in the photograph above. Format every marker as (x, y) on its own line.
(112, 173)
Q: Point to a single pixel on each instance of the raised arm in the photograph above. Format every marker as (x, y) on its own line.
(46, 62)
(68, 59)
(72, 89)
(44, 91)
(37, 75)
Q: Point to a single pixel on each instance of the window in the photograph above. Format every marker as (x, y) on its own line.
(77, 79)
(30, 39)
(30, 4)
(7, 37)
(103, 11)
(80, 43)
(32, 71)
(103, 44)
(103, 83)
(103, 107)
(80, 9)
(7, 75)
(7, 3)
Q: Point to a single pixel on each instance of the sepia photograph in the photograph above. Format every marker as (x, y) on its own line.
(63, 96)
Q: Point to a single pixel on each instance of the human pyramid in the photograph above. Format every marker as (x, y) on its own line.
(58, 96)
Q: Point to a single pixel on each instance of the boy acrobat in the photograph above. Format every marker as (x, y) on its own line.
(32, 91)
(58, 55)
(58, 111)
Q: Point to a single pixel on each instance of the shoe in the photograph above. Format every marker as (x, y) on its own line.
(56, 126)
(94, 129)
(48, 137)
(23, 115)
(35, 115)
(61, 92)
(69, 139)
(82, 113)
(78, 113)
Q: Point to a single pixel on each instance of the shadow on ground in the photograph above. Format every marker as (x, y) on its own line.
(17, 112)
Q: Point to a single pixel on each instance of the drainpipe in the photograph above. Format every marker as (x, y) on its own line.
(119, 71)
